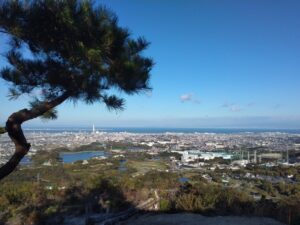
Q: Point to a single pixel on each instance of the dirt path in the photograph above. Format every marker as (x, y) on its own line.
(196, 219)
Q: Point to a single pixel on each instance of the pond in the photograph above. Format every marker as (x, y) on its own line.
(70, 157)
(25, 161)
(183, 180)
(122, 166)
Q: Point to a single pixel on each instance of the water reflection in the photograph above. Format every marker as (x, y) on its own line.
(183, 179)
(70, 157)
(122, 166)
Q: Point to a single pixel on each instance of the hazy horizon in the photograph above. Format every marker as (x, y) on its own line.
(200, 123)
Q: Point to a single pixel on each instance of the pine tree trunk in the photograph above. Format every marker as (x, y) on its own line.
(15, 132)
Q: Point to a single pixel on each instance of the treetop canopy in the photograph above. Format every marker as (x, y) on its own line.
(71, 47)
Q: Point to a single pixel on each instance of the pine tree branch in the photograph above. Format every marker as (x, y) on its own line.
(15, 132)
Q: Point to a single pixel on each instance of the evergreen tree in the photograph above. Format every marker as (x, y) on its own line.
(63, 50)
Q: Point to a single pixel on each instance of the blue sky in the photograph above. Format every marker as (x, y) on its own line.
(218, 64)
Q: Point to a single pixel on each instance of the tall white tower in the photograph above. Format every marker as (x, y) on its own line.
(94, 128)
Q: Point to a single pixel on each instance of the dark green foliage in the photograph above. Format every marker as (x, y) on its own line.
(72, 47)
(154, 179)
(25, 193)
(95, 146)
(164, 205)
(268, 187)
(2, 130)
(105, 188)
(108, 193)
(50, 114)
(170, 154)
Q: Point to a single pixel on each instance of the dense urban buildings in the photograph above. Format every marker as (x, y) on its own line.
(253, 147)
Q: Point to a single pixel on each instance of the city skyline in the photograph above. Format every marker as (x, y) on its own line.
(218, 64)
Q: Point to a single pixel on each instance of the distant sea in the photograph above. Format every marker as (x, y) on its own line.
(159, 130)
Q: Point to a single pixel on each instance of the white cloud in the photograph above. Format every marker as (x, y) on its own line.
(235, 108)
(232, 107)
(186, 97)
(189, 97)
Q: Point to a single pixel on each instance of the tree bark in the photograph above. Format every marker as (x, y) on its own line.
(15, 132)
